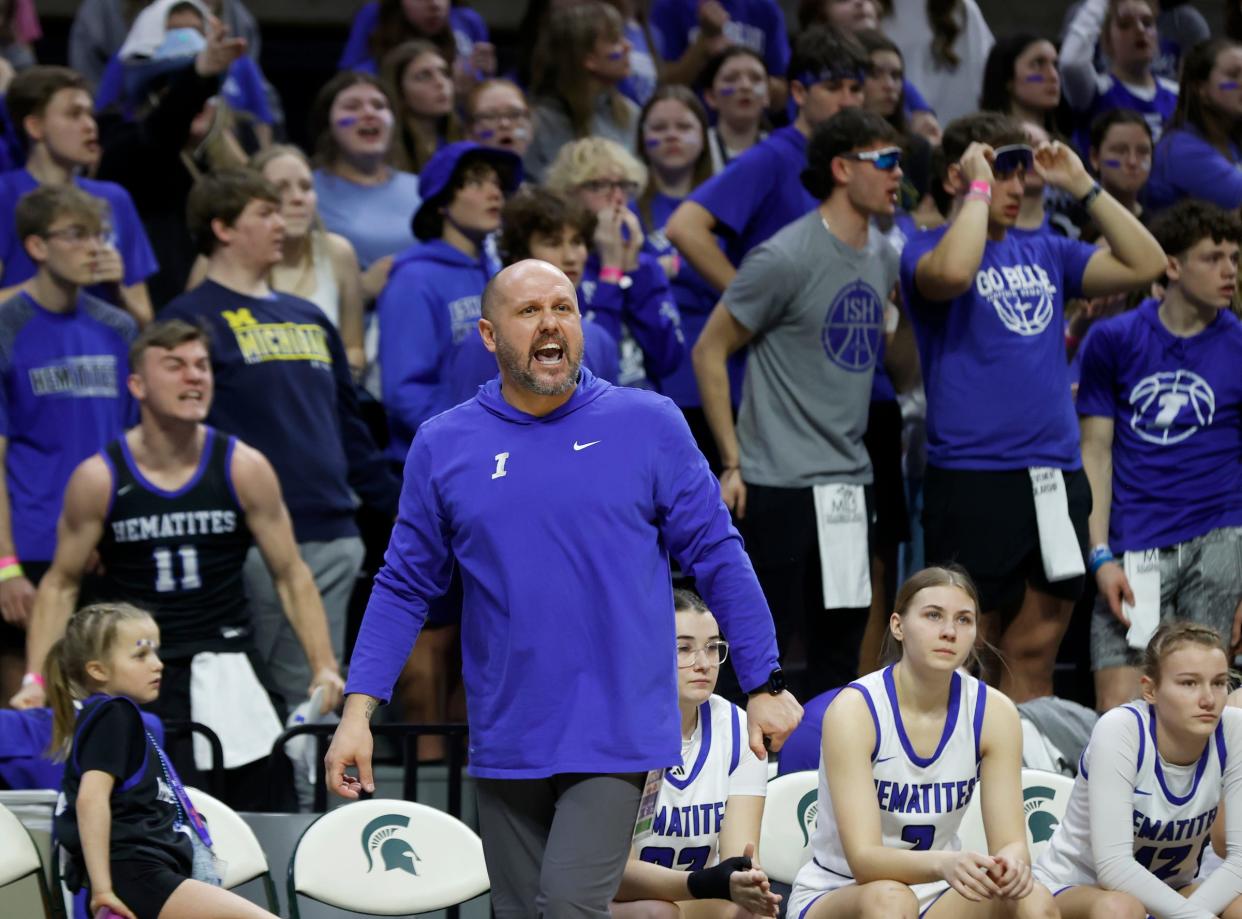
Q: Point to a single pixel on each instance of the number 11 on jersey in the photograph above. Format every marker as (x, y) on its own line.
(165, 582)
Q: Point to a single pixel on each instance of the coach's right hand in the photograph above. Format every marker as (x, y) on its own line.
(17, 596)
(352, 745)
(1114, 587)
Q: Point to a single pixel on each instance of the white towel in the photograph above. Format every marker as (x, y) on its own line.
(844, 559)
(150, 26)
(226, 696)
(1143, 572)
(1058, 543)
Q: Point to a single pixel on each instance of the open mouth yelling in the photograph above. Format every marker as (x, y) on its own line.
(549, 354)
(191, 395)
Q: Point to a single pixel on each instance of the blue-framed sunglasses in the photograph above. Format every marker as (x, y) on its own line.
(1007, 160)
(887, 159)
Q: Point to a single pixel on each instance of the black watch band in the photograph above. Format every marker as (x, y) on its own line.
(774, 685)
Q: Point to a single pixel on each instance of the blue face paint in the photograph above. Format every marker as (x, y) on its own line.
(616, 55)
(653, 142)
(728, 90)
(347, 122)
(1226, 85)
(1034, 78)
(484, 134)
(144, 643)
(1111, 164)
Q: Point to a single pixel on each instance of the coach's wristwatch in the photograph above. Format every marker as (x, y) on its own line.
(775, 684)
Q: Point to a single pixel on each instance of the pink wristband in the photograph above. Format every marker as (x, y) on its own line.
(33, 677)
(8, 560)
(980, 187)
(610, 274)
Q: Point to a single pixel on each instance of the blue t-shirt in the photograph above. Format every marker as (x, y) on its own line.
(554, 623)
(758, 193)
(755, 24)
(1184, 165)
(64, 398)
(126, 232)
(374, 218)
(695, 300)
(283, 386)
(1156, 106)
(467, 25)
(802, 749)
(994, 364)
(1176, 406)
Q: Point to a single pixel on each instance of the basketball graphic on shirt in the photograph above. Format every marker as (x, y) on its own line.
(1171, 406)
(851, 335)
(1023, 296)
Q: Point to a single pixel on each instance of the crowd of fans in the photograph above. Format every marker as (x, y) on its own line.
(669, 157)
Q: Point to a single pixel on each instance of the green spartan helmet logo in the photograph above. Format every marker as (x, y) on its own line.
(808, 814)
(379, 837)
(1039, 822)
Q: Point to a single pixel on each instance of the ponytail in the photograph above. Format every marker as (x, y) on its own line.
(60, 698)
(89, 635)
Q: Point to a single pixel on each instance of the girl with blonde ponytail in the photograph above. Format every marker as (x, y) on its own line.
(124, 819)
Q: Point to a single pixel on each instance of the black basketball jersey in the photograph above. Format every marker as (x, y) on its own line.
(110, 736)
(179, 554)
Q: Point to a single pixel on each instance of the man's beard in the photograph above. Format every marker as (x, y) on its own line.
(516, 364)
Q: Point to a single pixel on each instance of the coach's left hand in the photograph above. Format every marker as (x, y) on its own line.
(773, 717)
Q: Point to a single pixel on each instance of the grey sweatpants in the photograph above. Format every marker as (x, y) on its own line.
(334, 564)
(556, 847)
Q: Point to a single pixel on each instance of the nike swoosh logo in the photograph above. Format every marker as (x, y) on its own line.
(883, 759)
(578, 446)
(123, 490)
(1138, 791)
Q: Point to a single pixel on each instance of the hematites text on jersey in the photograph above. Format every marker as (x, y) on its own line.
(174, 524)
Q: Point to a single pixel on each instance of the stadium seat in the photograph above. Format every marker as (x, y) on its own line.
(19, 858)
(788, 822)
(385, 857)
(1044, 797)
(235, 844)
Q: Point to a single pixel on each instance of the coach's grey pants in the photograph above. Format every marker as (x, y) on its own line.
(556, 847)
(334, 564)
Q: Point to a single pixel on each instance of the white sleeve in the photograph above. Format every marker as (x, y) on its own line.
(1224, 884)
(1078, 81)
(750, 777)
(1112, 763)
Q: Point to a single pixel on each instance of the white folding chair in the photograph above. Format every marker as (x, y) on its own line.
(1045, 795)
(19, 857)
(386, 857)
(789, 819)
(235, 844)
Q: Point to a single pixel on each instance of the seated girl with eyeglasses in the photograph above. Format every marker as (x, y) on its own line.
(700, 858)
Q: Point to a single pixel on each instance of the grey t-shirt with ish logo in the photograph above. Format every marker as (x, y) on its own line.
(816, 308)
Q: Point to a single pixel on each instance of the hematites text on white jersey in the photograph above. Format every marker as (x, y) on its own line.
(175, 523)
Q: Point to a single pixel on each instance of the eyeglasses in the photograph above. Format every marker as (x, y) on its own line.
(603, 186)
(76, 235)
(714, 654)
(493, 118)
(1007, 160)
(887, 159)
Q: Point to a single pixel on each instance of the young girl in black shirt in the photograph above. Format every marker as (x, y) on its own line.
(123, 817)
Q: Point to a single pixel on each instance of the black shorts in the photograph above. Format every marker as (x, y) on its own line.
(144, 885)
(883, 442)
(984, 520)
(13, 638)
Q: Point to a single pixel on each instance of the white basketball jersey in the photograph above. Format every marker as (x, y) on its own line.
(921, 800)
(1174, 807)
(691, 807)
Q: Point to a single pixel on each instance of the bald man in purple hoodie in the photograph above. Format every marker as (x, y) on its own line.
(561, 498)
